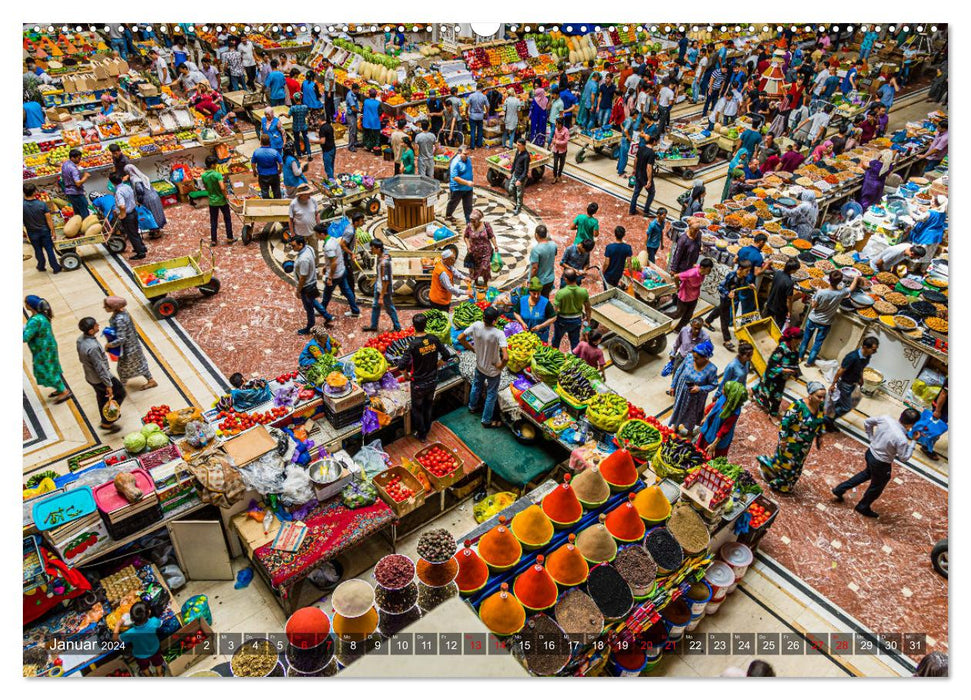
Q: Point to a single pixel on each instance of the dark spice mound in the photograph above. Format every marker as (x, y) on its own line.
(664, 549)
(636, 566)
(609, 591)
(545, 647)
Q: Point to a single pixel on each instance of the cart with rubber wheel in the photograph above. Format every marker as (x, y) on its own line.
(762, 333)
(707, 146)
(411, 271)
(498, 173)
(680, 166)
(160, 293)
(606, 146)
(67, 248)
(271, 214)
(632, 326)
(368, 200)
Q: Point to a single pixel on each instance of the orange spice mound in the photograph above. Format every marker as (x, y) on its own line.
(652, 504)
(499, 548)
(567, 566)
(356, 628)
(618, 469)
(532, 527)
(624, 522)
(561, 504)
(535, 588)
(596, 544)
(590, 487)
(502, 613)
(473, 572)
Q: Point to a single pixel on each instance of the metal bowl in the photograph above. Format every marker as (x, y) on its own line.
(861, 300)
(325, 471)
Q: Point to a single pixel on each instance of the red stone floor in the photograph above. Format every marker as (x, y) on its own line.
(877, 571)
(249, 326)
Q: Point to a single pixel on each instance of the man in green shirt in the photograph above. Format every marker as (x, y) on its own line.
(542, 260)
(586, 226)
(572, 304)
(215, 186)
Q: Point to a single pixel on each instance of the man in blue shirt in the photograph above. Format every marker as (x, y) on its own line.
(849, 80)
(371, 122)
(569, 106)
(749, 139)
(738, 369)
(616, 255)
(276, 85)
(752, 253)
(267, 165)
(33, 115)
(125, 211)
(655, 234)
(459, 185)
(477, 105)
(727, 297)
(353, 105)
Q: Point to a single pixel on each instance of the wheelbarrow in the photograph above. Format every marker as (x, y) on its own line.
(158, 288)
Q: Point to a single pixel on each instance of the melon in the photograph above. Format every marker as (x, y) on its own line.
(72, 229)
(574, 58)
(88, 222)
(94, 230)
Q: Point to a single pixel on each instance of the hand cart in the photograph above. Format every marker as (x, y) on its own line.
(338, 204)
(652, 295)
(412, 272)
(762, 333)
(499, 173)
(67, 248)
(165, 305)
(608, 146)
(261, 211)
(690, 135)
(633, 326)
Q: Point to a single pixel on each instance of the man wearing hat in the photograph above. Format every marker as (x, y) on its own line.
(534, 311)
(436, 111)
(304, 216)
(443, 280)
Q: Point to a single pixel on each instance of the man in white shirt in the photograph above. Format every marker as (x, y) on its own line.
(630, 85)
(890, 258)
(335, 274)
(821, 79)
(304, 215)
(665, 99)
(888, 442)
(699, 73)
(247, 51)
(161, 68)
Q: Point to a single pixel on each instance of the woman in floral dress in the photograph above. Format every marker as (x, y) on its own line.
(718, 429)
(803, 423)
(481, 243)
(783, 363)
(132, 362)
(694, 379)
(39, 337)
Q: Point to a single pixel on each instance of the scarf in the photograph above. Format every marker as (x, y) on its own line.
(539, 96)
(735, 395)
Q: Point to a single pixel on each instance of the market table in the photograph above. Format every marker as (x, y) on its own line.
(332, 530)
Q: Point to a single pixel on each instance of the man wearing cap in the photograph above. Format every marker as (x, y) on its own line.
(304, 216)
(460, 185)
(383, 287)
(443, 281)
(436, 111)
(305, 274)
(534, 311)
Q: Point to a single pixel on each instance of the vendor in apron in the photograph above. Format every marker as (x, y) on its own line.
(534, 311)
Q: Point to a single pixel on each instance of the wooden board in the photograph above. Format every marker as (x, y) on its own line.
(624, 319)
(266, 208)
(246, 447)
(201, 550)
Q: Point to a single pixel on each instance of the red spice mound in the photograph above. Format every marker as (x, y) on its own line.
(624, 522)
(567, 566)
(473, 572)
(535, 588)
(618, 469)
(561, 504)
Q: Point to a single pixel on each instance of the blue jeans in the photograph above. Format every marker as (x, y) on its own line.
(638, 186)
(817, 329)
(491, 387)
(388, 306)
(121, 46)
(237, 82)
(43, 243)
(310, 305)
(475, 133)
(622, 155)
(344, 284)
(328, 158)
(79, 203)
(570, 327)
(710, 101)
(301, 141)
(508, 138)
(277, 101)
(603, 117)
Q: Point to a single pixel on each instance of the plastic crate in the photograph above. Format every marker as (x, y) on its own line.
(344, 418)
(439, 483)
(752, 538)
(402, 508)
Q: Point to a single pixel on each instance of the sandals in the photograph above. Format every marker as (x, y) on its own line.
(493, 425)
(729, 345)
(63, 398)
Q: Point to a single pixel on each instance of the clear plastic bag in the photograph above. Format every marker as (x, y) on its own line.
(372, 458)
(265, 474)
(297, 489)
(199, 434)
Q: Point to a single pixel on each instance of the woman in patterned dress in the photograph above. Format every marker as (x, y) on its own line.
(694, 379)
(132, 362)
(803, 423)
(39, 337)
(783, 363)
(481, 243)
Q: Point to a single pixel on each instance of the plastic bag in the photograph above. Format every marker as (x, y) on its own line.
(297, 489)
(928, 426)
(668, 369)
(174, 578)
(179, 420)
(111, 410)
(496, 262)
(492, 505)
(372, 458)
(198, 434)
(264, 474)
(369, 421)
(359, 494)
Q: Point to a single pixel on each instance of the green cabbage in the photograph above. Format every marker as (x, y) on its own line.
(157, 439)
(135, 442)
(150, 428)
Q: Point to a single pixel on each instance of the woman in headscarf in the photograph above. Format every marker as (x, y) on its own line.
(822, 151)
(270, 125)
(481, 243)
(322, 343)
(538, 115)
(718, 429)
(929, 231)
(146, 195)
(39, 337)
(696, 200)
(736, 171)
(802, 424)
(694, 379)
(802, 218)
(131, 362)
(783, 363)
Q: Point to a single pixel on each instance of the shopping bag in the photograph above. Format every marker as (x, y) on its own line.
(111, 410)
(496, 262)
(928, 426)
(668, 369)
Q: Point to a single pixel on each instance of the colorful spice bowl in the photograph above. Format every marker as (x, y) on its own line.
(562, 506)
(566, 564)
(624, 522)
(652, 505)
(596, 544)
(532, 528)
(473, 573)
(619, 471)
(499, 548)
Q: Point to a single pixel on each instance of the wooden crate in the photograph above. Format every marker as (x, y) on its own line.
(202, 650)
(440, 483)
(402, 508)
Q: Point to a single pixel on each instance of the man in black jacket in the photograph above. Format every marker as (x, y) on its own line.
(422, 358)
(520, 171)
(644, 174)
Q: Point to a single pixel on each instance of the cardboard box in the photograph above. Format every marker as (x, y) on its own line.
(147, 90)
(252, 444)
(191, 656)
(79, 538)
(111, 668)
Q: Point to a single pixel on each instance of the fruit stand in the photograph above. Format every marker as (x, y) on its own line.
(500, 165)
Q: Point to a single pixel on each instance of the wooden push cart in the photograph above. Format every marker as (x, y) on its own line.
(652, 294)
(499, 172)
(67, 248)
(762, 333)
(159, 294)
(606, 146)
(417, 237)
(412, 272)
(679, 166)
(255, 211)
(633, 326)
(368, 200)
(707, 145)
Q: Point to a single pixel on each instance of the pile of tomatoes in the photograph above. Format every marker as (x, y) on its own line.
(438, 461)
(156, 414)
(284, 378)
(383, 341)
(397, 490)
(665, 430)
(233, 423)
(635, 411)
(759, 515)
